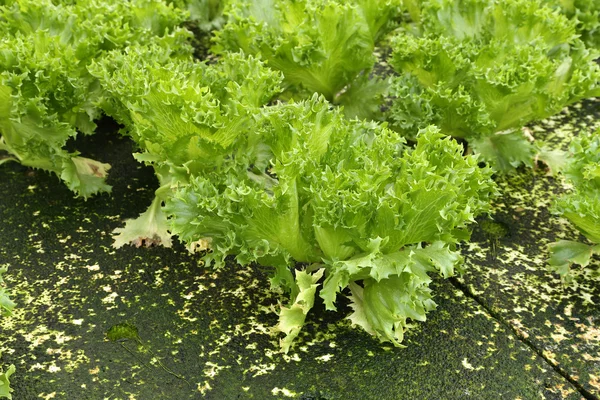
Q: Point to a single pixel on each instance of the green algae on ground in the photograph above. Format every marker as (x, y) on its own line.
(494, 230)
(123, 331)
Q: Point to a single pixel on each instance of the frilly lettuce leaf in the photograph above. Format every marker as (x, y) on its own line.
(149, 229)
(85, 176)
(206, 14)
(397, 289)
(565, 253)
(481, 70)
(383, 308)
(582, 205)
(291, 319)
(505, 150)
(362, 98)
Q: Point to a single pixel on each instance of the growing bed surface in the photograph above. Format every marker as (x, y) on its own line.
(506, 329)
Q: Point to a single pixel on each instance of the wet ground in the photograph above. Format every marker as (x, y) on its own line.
(507, 329)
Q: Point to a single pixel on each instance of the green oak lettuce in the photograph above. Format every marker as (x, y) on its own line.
(322, 46)
(481, 70)
(47, 95)
(581, 206)
(346, 198)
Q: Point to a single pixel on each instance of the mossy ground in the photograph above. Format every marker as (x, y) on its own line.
(213, 328)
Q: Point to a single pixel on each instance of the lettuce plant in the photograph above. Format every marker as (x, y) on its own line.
(581, 206)
(47, 95)
(346, 198)
(320, 46)
(481, 70)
